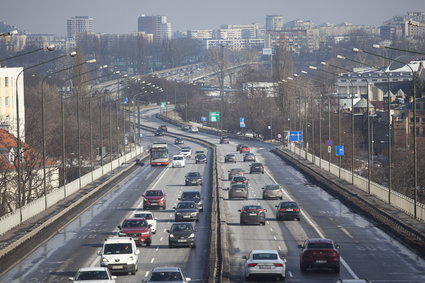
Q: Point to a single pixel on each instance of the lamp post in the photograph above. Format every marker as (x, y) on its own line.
(47, 48)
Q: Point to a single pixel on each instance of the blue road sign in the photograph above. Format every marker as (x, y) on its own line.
(339, 150)
(295, 136)
(203, 119)
(329, 142)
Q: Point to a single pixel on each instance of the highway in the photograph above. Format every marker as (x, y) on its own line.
(366, 251)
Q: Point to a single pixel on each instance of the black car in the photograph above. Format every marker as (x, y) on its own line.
(252, 214)
(178, 141)
(256, 167)
(224, 140)
(193, 178)
(230, 158)
(186, 211)
(182, 234)
(163, 127)
(238, 147)
(200, 158)
(193, 196)
(159, 132)
(288, 210)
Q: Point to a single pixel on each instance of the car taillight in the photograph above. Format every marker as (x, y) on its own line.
(278, 264)
(252, 264)
(243, 210)
(282, 209)
(296, 209)
(260, 210)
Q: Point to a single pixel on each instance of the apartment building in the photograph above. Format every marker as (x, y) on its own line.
(79, 24)
(156, 25)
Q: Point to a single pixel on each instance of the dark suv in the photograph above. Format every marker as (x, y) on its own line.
(182, 234)
(256, 167)
(288, 210)
(193, 196)
(252, 214)
(319, 253)
(186, 211)
(193, 178)
(224, 140)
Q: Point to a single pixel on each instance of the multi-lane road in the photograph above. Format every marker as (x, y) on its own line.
(366, 251)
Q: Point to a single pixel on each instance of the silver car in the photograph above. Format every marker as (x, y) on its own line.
(238, 191)
(166, 274)
(273, 191)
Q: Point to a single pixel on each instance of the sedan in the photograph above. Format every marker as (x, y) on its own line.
(193, 178)
(93, 274)
(256, 167)
(249, 157)
(273, 191)
(264, 263)
(178, 141)
(252, 214)
(166, 274)
(288, 210)
(200, 158)
(319, 253)
(182, 234)
(186, 211)
(238, 191)
(229, 158)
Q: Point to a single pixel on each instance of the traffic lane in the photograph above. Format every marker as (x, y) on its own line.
(364, 247)
(62, 255)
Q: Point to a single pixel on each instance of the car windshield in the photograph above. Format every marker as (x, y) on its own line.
(252, 207)
(185, 205)
(239, 179)
(144, 215)
(320, 245)
(193, 174)
(181, 227)
(154, 193)
(135, 223)
(166, 276)
(272, 187)
(190, 195)
(200, 156)
(178, 158)
(264, 256)
(121, 248)
(238, 186)
(289, 205)
(185, 150)
(156, 154)
(92, 275)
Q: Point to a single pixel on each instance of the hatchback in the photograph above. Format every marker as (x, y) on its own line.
(182, 234)
(288, 210)
(256, 167)
(249, 157)
(193, 178)
(193, 196)
(319, 253)
(93, 274)
(200, 158)
(244, 148)
(264, 263)
(236, 172)
(273, 191)
(252, 214)
(238, 191)
(224, 140)
(230, 158)
(239, 179)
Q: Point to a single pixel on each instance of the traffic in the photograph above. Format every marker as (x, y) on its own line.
(277, 225)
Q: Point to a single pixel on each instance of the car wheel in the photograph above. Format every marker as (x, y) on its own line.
(263, 223)
(303, 268)
(248, 278)
(298, 218)
(278, 218)
(148, 242)
(133, 272)
(164, 207)
(337, 269)
(282, 278)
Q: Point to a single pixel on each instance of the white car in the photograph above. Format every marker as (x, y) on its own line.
(186, 152)
(178, 161)
(193, 129)
(93, 275)
(149, 217)
(264, 263)
(120, 254)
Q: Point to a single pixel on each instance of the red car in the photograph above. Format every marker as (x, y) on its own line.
(244, 149)
(319, 253)
(154, 199)
(138, 229)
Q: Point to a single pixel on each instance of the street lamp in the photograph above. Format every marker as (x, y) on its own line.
(47, 48)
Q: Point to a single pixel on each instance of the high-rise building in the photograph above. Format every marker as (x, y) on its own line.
(274, 22)
(79, 24)
(156, 25)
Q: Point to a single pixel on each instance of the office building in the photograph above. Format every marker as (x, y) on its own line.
(156, 25)
(79, 24)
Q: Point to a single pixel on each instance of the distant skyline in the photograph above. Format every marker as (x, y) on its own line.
(111, 16)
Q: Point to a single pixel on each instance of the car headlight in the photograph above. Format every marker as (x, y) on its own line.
(130, 258)
(145, 233)
(104, 259)
(193, 213)
(192, 235)
(171, 236)
(178, 213)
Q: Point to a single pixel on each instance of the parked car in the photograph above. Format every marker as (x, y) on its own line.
(178, 161)
(252, 214)
(154, 199)
(119, 255)
(288, 210)
(319, 253)
(244, 149)
(193, 196)
(273, 191)
(264, 263)
(93, 274)
(249, 157)
(166, 275)
(238, 191)
(186, 211)
(230, 158)
(163, 127)
(224, 140)
(239, 179)
(200, 158)
(138, 229)
(159, 132)
(149, 217)
(178, 141)
(256, 167)
(236, 172)
(193, 178)
(182, 234)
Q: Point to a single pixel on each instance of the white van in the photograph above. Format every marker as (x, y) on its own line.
(119, 255)
(178, 161)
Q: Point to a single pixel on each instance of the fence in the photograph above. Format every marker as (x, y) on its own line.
(37, 206)
(396, 199)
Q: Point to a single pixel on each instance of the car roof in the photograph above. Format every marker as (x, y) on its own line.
(319, 240)
(165, 269)
(117, 240)
(236, 169)
(94, 268)
(191, 191)
(264, 251)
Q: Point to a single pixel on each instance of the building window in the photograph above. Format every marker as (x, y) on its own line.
(6, 101)
(6, 81)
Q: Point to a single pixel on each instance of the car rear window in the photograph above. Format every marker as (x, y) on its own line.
(178, 158)
(238, 186)
(289, 205)
(320, 245)
(252, 207)
(264, 256)
(190, 195)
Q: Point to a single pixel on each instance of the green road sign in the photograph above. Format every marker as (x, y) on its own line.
(214, 116)
(163, 104)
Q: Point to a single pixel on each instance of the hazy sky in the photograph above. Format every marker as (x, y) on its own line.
(120, 16)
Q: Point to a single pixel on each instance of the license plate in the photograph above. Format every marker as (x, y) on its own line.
(321, 261)
(265, 266)
(186, 216)
(181, 241)
(289, 209)
(154, 203)
(117, 267)
(253, 214)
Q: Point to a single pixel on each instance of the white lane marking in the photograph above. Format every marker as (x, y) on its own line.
(271, 229)
(157, 248)
(152, 260)
(160, 239)
(290, 274)
(165, 230)
(274, 237)
(147, 273)
(346, 232)
(279, 248)
(315, 227)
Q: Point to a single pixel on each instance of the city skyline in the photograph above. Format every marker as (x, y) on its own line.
(50, 16)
